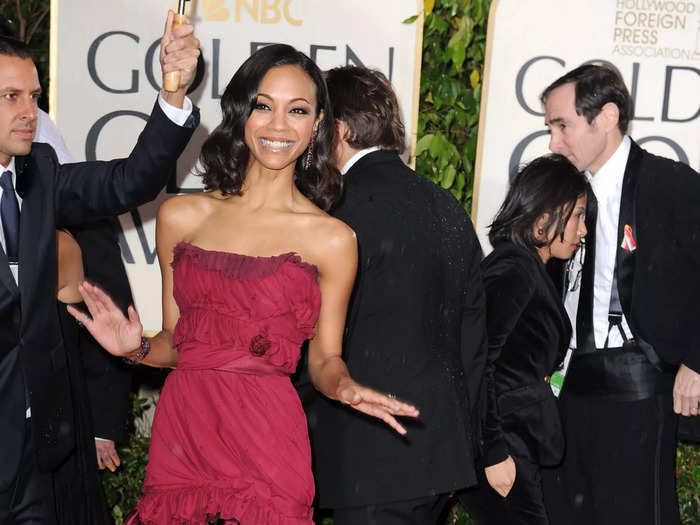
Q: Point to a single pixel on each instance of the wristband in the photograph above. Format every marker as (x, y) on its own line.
(142, 352)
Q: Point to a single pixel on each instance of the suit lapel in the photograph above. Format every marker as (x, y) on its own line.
(625, 259)
(35, 212)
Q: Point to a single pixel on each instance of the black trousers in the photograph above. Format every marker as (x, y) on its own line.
(524, 504)
(619, 465)
(420, 511)
(28, 499)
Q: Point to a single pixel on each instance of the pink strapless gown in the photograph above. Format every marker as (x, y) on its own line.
(229, 436)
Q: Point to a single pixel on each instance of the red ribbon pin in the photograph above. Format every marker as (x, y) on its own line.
(628, 242)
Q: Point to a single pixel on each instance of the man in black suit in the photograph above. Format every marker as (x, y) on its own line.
(108, 379)
(37, 196)
(415, 326)
(636, 347)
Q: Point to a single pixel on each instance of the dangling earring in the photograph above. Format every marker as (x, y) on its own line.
(310, 154)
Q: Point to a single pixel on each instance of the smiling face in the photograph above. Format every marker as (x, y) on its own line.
(279, 128)
(587, 146)
(19, 94)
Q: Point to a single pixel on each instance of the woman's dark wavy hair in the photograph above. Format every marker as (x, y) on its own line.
(224, 155)
(547, 185)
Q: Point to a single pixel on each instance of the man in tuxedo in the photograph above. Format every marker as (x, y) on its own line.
(37, 195)
(415, 325)
(636, 347)
(108, 378)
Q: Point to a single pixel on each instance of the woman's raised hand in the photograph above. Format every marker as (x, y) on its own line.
(375, 404)
(117, 334)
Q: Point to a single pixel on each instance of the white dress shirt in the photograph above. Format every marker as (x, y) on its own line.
(607, 187)
(357, 156)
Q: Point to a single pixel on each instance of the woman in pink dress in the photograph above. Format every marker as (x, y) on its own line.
(250, 269)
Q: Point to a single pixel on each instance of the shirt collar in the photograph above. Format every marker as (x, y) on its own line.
(357, 156)
(11, 168)
(607, 182)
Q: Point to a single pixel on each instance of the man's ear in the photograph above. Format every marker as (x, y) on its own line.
(342, 130)
(609, 116)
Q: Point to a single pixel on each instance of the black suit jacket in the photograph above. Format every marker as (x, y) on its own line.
(416, 329)
(659, 283)
(108, 378)
(31, 348)
(529, 332)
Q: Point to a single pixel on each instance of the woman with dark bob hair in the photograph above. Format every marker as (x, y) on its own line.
(528, 330)
(250, 269)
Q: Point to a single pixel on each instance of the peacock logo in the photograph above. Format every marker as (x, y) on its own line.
(215, 11)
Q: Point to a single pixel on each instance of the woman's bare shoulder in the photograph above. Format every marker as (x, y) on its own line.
(325, 225)
(187, 211)
(330, 238)
(336, 231)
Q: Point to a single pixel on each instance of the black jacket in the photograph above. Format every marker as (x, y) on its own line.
(31, 348)
(416, 329)
(659, 284)
(107, 377)
(529, 332)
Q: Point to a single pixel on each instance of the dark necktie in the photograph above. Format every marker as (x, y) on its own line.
(585, 338)
(9, 213)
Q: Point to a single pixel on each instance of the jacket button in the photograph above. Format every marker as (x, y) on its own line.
(546, 379)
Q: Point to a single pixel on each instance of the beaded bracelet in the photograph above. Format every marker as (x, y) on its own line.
(142, 352)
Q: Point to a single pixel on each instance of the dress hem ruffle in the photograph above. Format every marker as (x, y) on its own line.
(199, 506)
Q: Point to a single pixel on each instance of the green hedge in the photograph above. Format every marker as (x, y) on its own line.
(454, 45)
(123, 487)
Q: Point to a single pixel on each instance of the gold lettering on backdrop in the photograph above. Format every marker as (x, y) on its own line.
(266, 11)
(293, 21)
(654, 28)
(250, 5)
(270, 13)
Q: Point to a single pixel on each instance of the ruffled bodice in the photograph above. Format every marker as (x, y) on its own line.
(242, 313)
